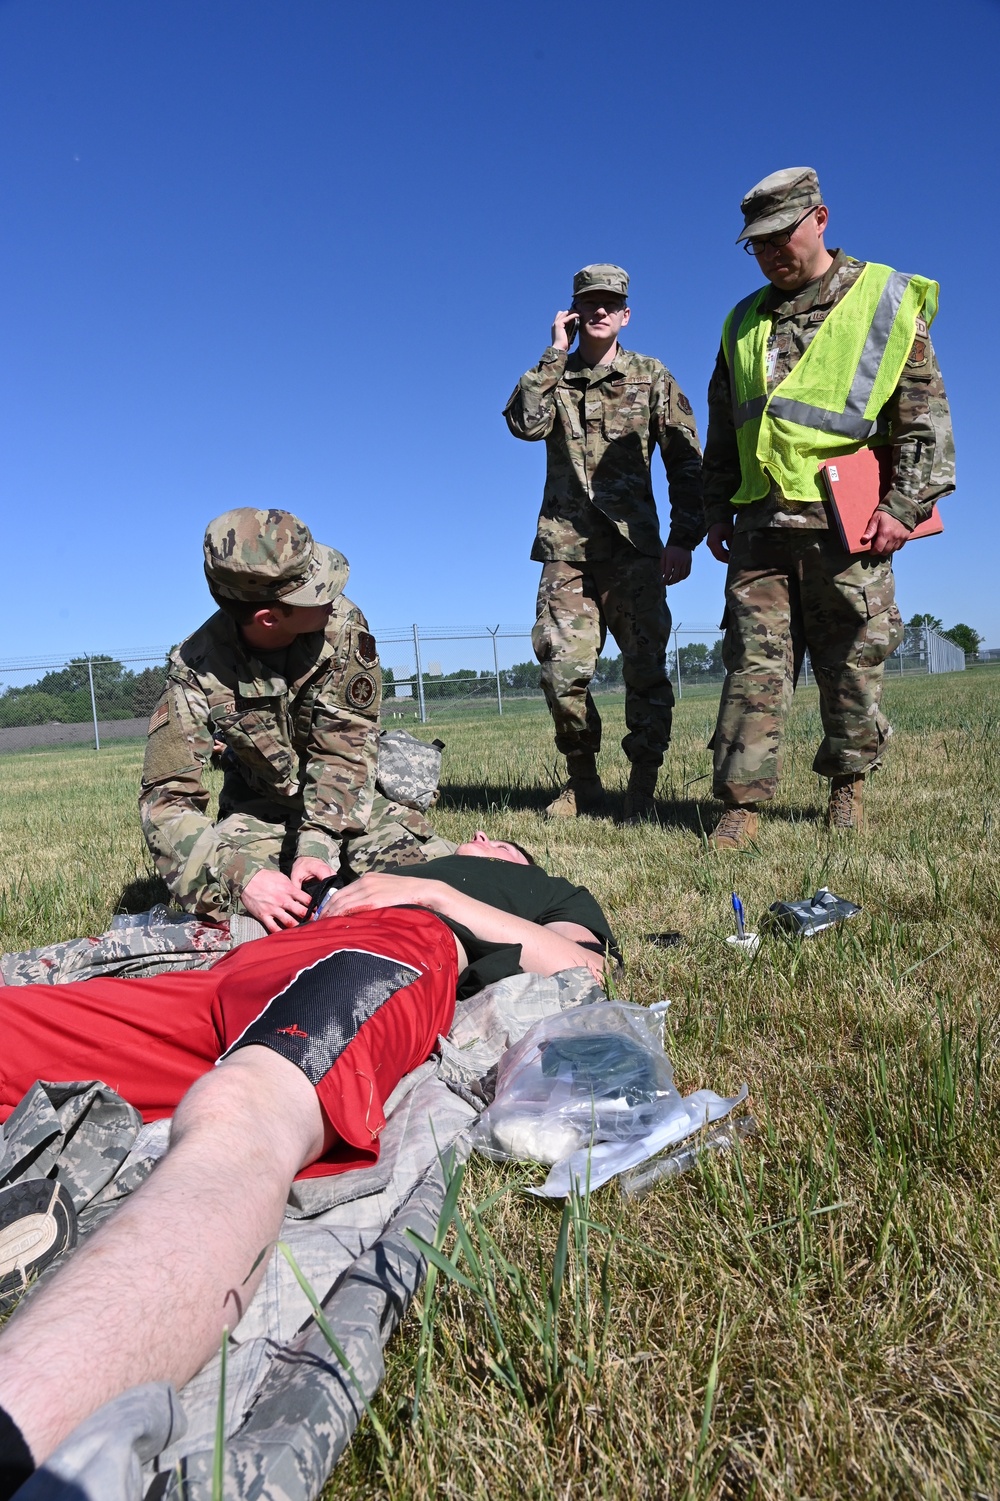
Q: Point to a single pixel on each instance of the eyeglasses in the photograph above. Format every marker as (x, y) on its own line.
(778, 241)
(589, 303)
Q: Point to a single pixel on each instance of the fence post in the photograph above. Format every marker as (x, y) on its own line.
(677, 661)
(93, 704)
(496, 669)
(420, 677)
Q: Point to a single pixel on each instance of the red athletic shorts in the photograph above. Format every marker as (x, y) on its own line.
(355, 1002)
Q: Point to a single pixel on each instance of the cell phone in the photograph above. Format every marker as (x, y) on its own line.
(572, 327)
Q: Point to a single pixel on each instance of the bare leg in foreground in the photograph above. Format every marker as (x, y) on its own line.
(147, 1298)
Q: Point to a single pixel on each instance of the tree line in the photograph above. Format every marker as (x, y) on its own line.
(963, 636)
(523, 677)
(63, 697)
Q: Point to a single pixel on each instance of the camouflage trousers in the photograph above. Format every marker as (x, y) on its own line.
(264, 834)
(578, 603)
(788, 592)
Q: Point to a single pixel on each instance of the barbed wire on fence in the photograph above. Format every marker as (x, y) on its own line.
(85, 697)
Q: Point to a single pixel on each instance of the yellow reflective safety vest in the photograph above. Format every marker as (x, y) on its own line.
(829, 403)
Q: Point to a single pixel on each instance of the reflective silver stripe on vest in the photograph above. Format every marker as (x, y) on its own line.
(748, 410)
(852, 422)
(744, 411)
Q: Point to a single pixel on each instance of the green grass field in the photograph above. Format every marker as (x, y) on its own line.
(816, 1317)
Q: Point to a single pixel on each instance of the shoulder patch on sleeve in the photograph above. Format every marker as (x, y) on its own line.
(361, 691)
(683, 403)
(159, 716)
(168, 754)
(365, 649)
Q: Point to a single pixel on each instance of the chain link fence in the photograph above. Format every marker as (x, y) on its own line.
(428, 671)
(81, 699)
(417, 682)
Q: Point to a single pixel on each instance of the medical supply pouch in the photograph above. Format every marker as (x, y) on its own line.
(810, 916)
(592, 1074)
(408, 769)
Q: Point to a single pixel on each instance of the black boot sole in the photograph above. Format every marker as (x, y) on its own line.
(37, 1223)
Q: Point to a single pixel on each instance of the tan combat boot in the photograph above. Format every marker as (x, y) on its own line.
(736, 829)
(639, 804)
(583, 792)
(845, 810)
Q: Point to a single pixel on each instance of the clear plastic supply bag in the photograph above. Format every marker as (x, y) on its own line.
(592, 1074)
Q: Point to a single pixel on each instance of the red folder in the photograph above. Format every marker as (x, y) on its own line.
(855, 483)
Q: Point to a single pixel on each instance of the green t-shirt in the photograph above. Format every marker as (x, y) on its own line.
(524, 891)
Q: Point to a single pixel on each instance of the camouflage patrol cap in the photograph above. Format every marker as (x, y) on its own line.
(778, 201)
(255, 555)
(601, 278)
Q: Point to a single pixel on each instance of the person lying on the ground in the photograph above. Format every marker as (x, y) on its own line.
(149, 943)
(312, 1028)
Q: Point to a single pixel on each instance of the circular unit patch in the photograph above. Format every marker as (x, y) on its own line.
(361, 690)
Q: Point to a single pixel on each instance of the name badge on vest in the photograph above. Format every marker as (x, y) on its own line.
(772, 360)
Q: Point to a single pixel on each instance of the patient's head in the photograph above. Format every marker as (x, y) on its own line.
(495, 849)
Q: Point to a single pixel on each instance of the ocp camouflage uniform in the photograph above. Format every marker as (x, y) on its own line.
(599, 537)
(790, 584)
(301, 743)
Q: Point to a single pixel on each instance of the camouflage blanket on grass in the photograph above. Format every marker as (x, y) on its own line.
(291, 1407)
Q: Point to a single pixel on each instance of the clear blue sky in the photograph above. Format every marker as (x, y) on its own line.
(256, 252)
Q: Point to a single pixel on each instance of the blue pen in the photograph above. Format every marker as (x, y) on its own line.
(738, 913)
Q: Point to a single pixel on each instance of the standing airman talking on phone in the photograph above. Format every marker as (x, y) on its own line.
(601, 411)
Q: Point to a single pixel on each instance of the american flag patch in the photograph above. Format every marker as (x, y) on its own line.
(159, 717)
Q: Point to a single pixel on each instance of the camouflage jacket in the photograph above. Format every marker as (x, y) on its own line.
(307, 743)
(600, 426)
(923, 448)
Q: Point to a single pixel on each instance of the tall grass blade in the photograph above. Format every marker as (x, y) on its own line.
(335, 1345)
(219, 1450)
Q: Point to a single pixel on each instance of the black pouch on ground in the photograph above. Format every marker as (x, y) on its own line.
(812, 915)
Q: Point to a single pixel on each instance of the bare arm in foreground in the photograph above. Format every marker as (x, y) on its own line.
(544, 950)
